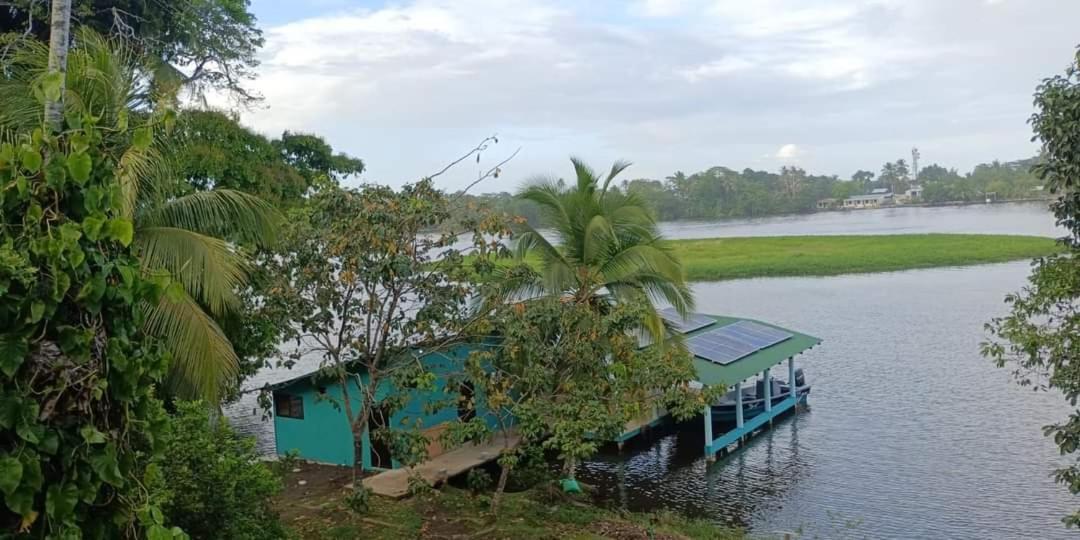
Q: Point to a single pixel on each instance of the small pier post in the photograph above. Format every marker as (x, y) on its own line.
(708, 433)
(768, 390)
(791, 380)
(738, 406)
(768, 393)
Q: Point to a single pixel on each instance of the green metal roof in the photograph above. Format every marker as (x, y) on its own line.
(713, 374)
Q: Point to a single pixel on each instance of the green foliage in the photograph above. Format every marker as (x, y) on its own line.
(572, 378)
(359, 499)
(200, 44)
(478, 480)
(219, 487)
(190, 236)
(219, 153)
(721, 192)
(364, 281)
(79, 420)
(608, 251)
(1037, 339)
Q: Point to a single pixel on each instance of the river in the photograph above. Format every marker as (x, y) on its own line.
(910, 433)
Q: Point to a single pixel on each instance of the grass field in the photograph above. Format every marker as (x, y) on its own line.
(716, 259)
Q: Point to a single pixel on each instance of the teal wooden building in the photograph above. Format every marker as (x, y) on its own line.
(309, 420)
(727, 352)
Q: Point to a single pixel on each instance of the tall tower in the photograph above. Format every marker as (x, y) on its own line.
(914, 164)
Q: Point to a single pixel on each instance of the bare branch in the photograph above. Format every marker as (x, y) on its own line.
(479, 148)
(492, 172)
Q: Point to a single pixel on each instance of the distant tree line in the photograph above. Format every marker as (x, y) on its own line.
(720, 192)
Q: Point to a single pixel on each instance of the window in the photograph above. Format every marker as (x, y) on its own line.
(289, 406)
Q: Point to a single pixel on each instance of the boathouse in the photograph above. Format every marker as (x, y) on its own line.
(728, 352)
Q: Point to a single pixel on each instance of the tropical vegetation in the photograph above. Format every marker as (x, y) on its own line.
(214, 482)
(192, 236)
(607, 249)
(722, 192)
(80, 421)
(1037, 339)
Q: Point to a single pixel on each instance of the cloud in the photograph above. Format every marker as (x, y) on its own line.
(715, 68)
(789, 152)
(668, 84)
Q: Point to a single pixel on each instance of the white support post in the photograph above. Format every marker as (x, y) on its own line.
(768, 390)
(791, 378)
(738, 405)
(708, 432)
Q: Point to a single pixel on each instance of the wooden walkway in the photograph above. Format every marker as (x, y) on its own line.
(395, 482)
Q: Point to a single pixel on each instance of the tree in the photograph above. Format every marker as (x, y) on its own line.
(194, 236)
(78, 413)
(199, 44)
(1038, 336)
(216, 152)
(609, 249)
(894, 176)
(863, 179)
(365, 280)
(569, 380)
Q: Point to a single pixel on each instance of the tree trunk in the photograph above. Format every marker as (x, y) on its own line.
(504, 475)
(570, 468)
(59, 37)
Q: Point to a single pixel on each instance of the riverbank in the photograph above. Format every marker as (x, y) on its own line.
(718, 259)
(316, 510)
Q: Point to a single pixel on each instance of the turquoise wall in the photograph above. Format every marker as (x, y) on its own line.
(323, 435)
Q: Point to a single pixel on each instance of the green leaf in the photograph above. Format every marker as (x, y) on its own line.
(31, 160)
(9, 412)
(92, 226)
(34, 213)
(122, 120)
(105, 466)
(21, 501)
(11, 471)
(142, 138)
(80, 142)
(55, 171)
(13, 351)
(79, 165)
(121, 230)
(60, 501)
(51, 85)
(37, 311)
(50, 442)
(158, 532)
(91, 435)
(175, 291)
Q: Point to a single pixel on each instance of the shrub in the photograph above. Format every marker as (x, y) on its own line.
(219, 487)
(478, 480)
(359, 499)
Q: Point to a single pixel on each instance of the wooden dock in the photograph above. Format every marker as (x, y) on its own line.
(395, 482)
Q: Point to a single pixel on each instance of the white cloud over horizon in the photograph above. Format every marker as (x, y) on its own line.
(668, 84)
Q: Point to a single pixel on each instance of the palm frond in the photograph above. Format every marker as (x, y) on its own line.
(616, 168)
(210, 269)
(220, 212)
(203, 360)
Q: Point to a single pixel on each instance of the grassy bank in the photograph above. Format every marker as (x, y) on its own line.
(316, 510)
(717, 259)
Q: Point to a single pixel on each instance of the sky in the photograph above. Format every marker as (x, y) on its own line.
(832, 86)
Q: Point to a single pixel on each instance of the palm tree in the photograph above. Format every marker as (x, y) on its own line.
(608, 248)
(195, 238)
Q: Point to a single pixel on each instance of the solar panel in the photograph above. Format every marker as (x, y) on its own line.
(692, 322)
(729, 343)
